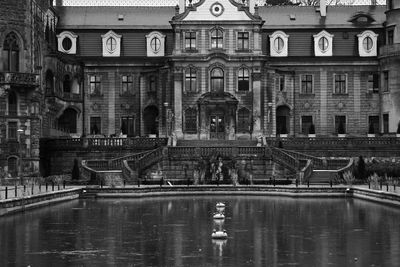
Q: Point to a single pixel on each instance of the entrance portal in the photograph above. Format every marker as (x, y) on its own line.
(217, 127)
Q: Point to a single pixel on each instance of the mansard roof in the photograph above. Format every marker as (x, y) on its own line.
(100, 17)
(156, 17)
(280, 17)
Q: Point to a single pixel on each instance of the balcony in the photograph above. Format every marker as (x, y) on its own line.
(390, 50)
(20, 79)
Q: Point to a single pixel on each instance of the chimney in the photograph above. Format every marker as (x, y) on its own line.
(59, 3)
(182, 6)
(252, 4)
(322, 8)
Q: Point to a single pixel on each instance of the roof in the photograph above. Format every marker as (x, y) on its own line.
(100, 17)
(309, 16)
(158, 17)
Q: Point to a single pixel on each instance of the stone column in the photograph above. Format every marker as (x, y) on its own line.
(111, 104)
(257, 41)
(203, 123)
(256, 78)
(178, 81)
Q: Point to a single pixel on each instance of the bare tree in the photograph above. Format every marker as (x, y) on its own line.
(328, 2)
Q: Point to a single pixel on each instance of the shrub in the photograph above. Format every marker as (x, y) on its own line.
(374, 181)
(349, 178)
(361, 170)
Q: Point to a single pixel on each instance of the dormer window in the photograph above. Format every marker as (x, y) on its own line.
(67, 42)
(323, 44)
(279, 44)
(111, 44)
(367, 44)
(155, 44)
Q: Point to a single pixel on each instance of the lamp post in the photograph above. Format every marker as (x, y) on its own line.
(20, 131)
(166, 104)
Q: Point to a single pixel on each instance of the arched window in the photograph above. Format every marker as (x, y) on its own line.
(49, 82)
(243, 124)
(217, 80)
(190, 120)
(190, 80)
(67, 84)
(11, 52)
(243, 79)
(12, 104)
(217, 39)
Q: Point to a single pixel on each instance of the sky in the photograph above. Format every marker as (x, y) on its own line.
(165, 2)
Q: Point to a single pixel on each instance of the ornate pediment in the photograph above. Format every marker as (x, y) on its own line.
(218, 10)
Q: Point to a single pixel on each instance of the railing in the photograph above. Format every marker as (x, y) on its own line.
(306, 172)
(224, 151)
(103, 143)
(20, 79)
(117, 163)
(285, 159)
(297, 155)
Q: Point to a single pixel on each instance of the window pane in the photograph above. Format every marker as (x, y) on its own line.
(306, 122)
(95, 125)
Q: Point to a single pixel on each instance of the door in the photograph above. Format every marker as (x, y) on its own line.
(217, 127)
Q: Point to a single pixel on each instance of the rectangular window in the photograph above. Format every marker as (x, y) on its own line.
(243, 41)
(95, 125)
(282, 83)
(306, 84)
(243, 80)
(340, 84)
(390, 37)
(95, 85)
(190, 40)
(127, 85)
(12, 130)
(386, 81)
(306, 122)
(373, 83)
(385, 123)
(373, 121)
(190, 121)
(128, 125)
(217, 38)
(190, 80)
(340, 124)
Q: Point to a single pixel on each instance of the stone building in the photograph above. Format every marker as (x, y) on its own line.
(207, 69)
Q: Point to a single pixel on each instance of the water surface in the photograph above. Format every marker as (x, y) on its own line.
(176, 231)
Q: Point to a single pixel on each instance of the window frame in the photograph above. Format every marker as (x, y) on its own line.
(12, 132)
(131, 125)
(243, 78)
(304, 130)
(243, 126)
(306, 81)
(126, 84)
(192, 38)
(218, 38)
(192, 122)
(92, 124)
(241, 41)
(213, 80)
(190, 79)
(341, 83)
(373, 82)
(337, 124)
(11, 52)
(96, 83)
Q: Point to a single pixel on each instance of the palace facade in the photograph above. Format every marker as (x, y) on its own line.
(211, 69)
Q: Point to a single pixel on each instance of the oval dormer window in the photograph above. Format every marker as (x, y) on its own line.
(67, 44)
(278, 44)
(155, 44)
(217, 9)
(111, 44)
(368, 43)
(323, 44)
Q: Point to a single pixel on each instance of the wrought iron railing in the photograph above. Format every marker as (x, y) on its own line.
(20, 79)
(285, 159)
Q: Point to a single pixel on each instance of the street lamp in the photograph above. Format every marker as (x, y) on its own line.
(166, 104)
(20, 131)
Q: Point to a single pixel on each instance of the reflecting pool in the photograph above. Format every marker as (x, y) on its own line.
(176, 231)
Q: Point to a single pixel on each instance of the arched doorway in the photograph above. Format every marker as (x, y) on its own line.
(67, 121)
(283, 120)
(150, 118)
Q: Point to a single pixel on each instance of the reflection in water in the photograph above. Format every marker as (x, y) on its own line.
(263, 231)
